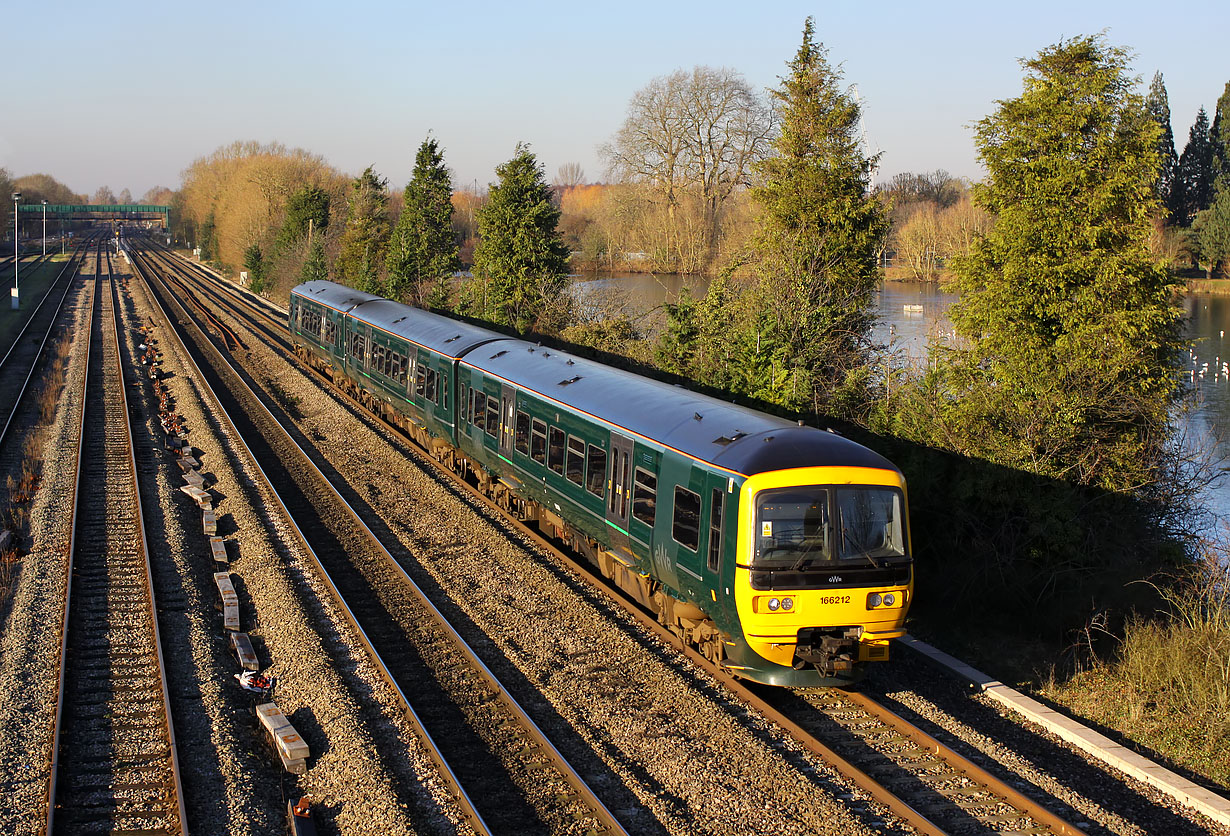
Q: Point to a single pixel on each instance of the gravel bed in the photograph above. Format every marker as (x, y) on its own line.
(367, 773)
(667, 748)
(30, 634)
(1101, 800)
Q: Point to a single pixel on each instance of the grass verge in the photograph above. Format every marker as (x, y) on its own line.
(1166, 684)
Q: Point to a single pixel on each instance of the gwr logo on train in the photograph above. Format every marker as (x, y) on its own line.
(725, 522)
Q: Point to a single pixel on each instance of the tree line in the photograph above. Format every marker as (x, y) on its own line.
(1194, 187)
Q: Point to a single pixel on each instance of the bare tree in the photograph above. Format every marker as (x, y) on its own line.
(103, 197)
(569, 175)
(695, 131)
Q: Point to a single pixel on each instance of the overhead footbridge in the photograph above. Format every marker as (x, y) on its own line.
(97, 212)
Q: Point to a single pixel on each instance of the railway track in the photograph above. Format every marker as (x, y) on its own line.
(114, 762)
(23, 355)
(933, 788)
(503, 770)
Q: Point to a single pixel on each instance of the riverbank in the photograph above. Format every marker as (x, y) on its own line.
(1219, 287)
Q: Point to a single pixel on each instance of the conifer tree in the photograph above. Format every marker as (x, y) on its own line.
(208, 236)
(423, 251)
(254, 263)
(1211, 233)
(1073, 339)
(366, 239)
(1158, 104)
(521, 264)
(1196, 170)
(1219, 135)
(816, 244)
(315, 267)
(307, 208)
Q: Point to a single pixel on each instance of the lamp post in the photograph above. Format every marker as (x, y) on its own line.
(44, 229)
(16, 296)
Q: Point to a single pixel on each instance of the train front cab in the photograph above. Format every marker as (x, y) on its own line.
(824, 576)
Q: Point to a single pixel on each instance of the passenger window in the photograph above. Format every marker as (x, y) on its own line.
(480, 409)
(378, 359)
(576, 460)
(493, 416)
(715, 530)
(538, 441)
(358, 346)
(555, 451)
(330, 332)
(686, 526)
(522, 441)
(420, 382)
(645, 496)
(595, 470)
(431, 386)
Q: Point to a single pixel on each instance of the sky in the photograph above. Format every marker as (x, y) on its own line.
(128, 94)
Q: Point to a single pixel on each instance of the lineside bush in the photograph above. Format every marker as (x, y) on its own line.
(1170, 674)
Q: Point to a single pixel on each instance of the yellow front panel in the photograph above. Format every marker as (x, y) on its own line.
(772, 634)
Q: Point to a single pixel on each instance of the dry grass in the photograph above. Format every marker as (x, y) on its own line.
(1168, 685)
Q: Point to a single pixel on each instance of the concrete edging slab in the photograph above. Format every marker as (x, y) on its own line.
(1098, 745)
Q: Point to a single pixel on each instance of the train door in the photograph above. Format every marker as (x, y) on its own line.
(719, 501)
(619, 492)
(508, 410)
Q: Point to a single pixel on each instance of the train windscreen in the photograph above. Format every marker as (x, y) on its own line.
(813, 525)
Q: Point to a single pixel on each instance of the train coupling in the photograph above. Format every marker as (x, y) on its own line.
(832, 651)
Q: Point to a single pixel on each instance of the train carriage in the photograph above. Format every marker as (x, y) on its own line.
(318, 315)
(698, 509)
(398, 359)
(780, 551)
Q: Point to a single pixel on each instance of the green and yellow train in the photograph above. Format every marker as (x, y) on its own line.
(781, 552)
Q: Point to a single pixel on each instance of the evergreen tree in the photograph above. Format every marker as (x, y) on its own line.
(423, 252)
(521, 264)
(676, 348)
(819, 231)
(1211, 233)
(307, 207)
(315, 267)
(1158, 105)
(208, 242)
(254, 263)
(366, 238)
(1073, 339)
(1219, 136)
(1196, 170)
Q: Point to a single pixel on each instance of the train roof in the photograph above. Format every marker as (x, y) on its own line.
(432, 331)
(732, 437)
(336, 296)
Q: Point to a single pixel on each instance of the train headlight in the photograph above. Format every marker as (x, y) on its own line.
(889, 599)
(774, 604)
(874, 600)
(787, 603)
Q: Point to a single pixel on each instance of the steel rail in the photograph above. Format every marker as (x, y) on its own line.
(76, 261)
(567, 772)
(958, 762)
(150, 600)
